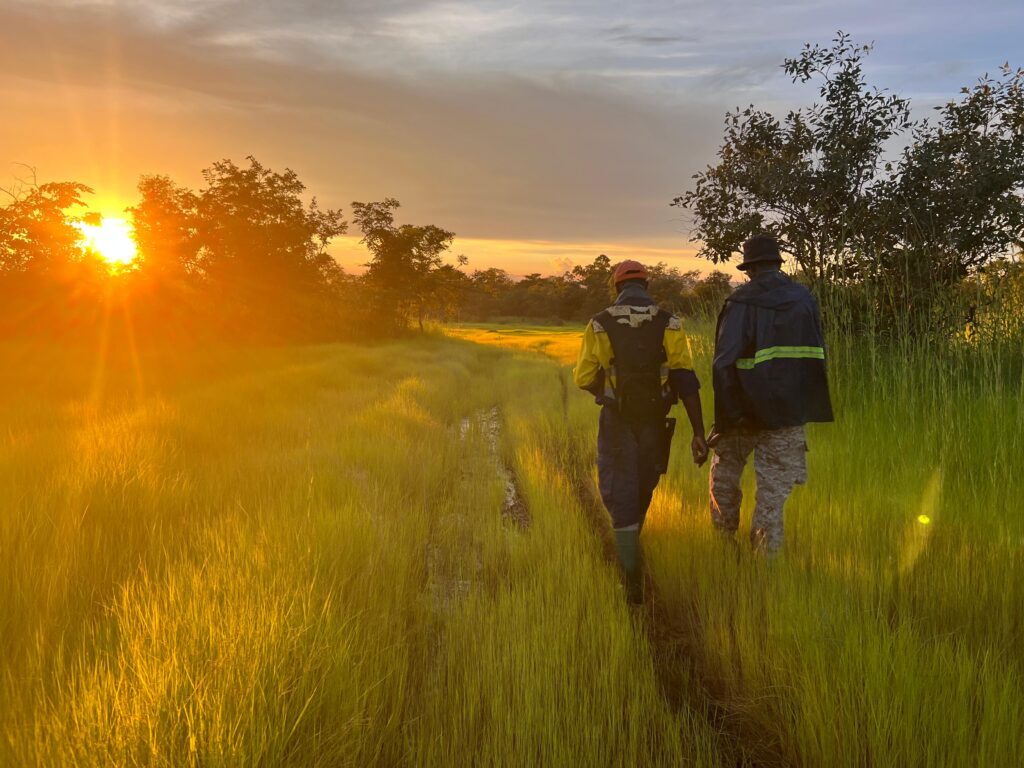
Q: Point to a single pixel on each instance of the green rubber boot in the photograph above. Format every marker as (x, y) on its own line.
(627, 544)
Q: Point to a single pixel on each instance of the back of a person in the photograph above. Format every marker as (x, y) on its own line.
(635, 361)
(782, 370)
(769, 378)
(636, 335)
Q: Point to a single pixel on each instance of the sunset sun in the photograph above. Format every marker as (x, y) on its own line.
(112, 240)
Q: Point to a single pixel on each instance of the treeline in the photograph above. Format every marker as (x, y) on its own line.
(245, 257)
(923, 242)
(579, 293)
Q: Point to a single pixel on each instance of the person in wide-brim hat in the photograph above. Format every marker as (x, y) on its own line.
(760, 249)
(769, 380)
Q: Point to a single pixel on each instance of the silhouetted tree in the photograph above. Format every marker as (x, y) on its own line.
(49, 283)
(253, 225)
(405, 270)
(710, 292)
(37, 234)
(596, 281)
(955, 200)
(905, 231)
(165, 222)
(671, 288)
(262, 250)
(807, 179)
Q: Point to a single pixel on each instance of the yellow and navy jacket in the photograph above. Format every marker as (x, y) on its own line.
(769, 365)
(595, 370)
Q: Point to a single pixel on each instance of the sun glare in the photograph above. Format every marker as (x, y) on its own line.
(112, 240)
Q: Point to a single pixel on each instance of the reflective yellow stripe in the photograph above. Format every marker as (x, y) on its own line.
(775, 353)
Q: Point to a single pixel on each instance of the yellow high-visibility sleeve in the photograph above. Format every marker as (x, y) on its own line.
(677, 347)
(595, 354)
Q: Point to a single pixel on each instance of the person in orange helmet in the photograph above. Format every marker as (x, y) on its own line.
(635, 360)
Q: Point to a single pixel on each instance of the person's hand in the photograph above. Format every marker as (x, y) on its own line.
(699, 449)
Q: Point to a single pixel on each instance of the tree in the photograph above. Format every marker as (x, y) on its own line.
(165, 222)
(806, 179)
(956, 198)
(671, 288)
(49, 282)
(406, 265)
(253, 226)
(263, 251)
(711, 291)
(36, 232)
(896, 236)
(596, 280)
(486, 293)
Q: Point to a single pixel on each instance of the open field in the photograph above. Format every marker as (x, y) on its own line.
(392, 555)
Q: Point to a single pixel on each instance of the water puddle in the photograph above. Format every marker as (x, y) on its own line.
(513, 508)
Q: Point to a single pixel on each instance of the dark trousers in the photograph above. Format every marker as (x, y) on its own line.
(628, 454)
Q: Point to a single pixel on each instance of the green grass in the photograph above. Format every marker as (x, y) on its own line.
(878, 639)
(299, 557)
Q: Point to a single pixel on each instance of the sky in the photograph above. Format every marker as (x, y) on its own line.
(542, 132)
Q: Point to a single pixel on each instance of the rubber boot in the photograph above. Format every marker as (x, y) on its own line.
(627, 544)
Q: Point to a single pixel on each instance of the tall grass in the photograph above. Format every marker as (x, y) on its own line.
(298, 557)
(892, 630)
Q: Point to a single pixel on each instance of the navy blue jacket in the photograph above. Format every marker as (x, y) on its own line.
(769, 366)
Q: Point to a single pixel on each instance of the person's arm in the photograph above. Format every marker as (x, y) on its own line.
(686, 386)
(588, 373)
(699, 442)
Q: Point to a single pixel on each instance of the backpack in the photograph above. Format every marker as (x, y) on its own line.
(638, 355)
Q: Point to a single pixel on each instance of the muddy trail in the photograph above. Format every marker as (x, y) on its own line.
(513, 509)
(673, 630)
(447, 585)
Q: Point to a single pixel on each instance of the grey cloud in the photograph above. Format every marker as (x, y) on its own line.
(520, 120)
(488, 155)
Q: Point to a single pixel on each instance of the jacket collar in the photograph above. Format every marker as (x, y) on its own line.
(773, 289)
(634, 295)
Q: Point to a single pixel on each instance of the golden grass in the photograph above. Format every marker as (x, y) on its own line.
(297, 557)
(876, 639)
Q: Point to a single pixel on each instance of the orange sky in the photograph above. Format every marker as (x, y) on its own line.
(521, 257)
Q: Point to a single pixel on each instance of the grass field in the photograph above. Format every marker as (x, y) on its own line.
(306, 557)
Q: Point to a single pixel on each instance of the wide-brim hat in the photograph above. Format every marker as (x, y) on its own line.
(759, 249)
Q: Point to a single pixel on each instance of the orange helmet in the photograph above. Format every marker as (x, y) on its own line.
(630, 270)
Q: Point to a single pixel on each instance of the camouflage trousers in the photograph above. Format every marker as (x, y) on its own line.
(780, 462)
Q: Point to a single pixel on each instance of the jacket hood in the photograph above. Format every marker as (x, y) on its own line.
(771, 290)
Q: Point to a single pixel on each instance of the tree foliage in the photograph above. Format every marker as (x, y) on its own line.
(165, 222)
(406, 271)
(252, 222)
(37, 232)
(246, 257)
(807, 178)
(955, 199)
(583, 291)
(821, 181)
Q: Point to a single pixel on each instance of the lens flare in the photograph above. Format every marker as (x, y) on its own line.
(915, 537)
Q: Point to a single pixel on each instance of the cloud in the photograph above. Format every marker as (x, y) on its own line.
(534, 121)
(489, 155)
